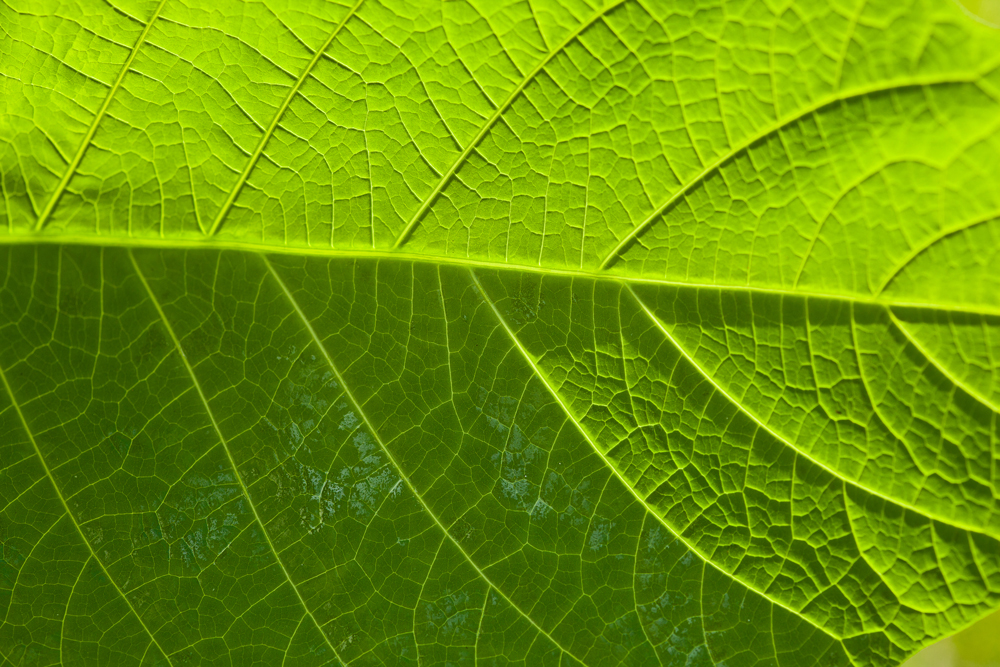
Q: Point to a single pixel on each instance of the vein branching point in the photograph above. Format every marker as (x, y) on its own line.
(625, 333)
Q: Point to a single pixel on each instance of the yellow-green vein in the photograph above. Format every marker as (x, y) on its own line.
(225, 445)
(235, 191)
(732, 399)
(927, 245)
(71, 169)
(329, 253)
(402, 474)
(941, 368)
(62, 500)
(614, 469)
(443, 181)
(763, 134)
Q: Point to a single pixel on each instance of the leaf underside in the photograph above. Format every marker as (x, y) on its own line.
(527, 332)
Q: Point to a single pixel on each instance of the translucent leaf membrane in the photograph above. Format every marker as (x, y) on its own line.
(537, 333)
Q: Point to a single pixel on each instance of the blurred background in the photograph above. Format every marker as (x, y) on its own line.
(976, 646)
(987, 10)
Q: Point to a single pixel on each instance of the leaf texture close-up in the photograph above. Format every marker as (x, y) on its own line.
(481, 332)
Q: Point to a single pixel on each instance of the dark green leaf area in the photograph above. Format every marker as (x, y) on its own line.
(269, 459)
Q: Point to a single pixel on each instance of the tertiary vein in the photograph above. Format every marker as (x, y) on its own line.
(72, 167)
(402, 473)
(225, 447)
(235, 191)
(787, 443)
(62, 500)
(614, 469)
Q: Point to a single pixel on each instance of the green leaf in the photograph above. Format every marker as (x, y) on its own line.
(533, 332)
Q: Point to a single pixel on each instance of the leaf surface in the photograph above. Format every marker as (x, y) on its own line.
(540, 333)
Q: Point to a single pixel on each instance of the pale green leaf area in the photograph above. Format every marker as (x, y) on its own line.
(490, 332)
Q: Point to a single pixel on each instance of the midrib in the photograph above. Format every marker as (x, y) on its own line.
(202, 243)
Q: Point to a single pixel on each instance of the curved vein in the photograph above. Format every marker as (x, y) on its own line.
(766, 132)
(62, 500)
(12, 586)
(69, 600)
(225, 447)
(701, 370)
(402, 474)
(443, 181)
(933, 360)
(85, 144)
(614, 470)
(937, 238)
(870, 396)
(235, 191)
(844, 193)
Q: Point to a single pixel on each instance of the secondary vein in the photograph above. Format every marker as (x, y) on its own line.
(941, 368)
(402, 474)
(777, 126)
(85, 144)
(235, 191)
(62, 499)
(729, 397)
(443, 181)
(225, 447)
(583, 431)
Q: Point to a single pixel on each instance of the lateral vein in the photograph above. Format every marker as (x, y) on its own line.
(460, 160)
(62, 500)
(85, 144)
(777, 126)
(729, 397)
(614, 470)
(941, 368)
(402, 474)
(225, 448)
(235, 191)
